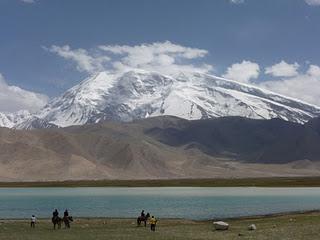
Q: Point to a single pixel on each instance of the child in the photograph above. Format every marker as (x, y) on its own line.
(33, 221)
(153, 222)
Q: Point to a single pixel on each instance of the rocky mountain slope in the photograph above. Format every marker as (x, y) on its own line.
(246, 140)
(162, 147)
(138, 94)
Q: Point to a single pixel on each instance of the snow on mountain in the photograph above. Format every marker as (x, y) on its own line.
(34, 122)
(123, 97)
(12, 119)
(139, 94)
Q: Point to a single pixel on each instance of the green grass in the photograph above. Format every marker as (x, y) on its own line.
(257, 182)
(295, 226)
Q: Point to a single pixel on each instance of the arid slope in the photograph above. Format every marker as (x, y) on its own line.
(161, 147)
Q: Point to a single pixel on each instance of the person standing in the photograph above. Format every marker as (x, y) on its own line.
(33, 221)
(153, 222)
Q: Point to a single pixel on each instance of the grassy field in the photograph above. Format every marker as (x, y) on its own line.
(295, 226)
(245, 182)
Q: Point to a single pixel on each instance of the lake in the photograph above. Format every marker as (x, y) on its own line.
(164, 202)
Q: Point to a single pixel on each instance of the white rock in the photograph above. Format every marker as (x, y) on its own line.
(221, 225)
(252, 227)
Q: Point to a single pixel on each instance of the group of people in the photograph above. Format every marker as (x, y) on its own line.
(143, 217)
(152, 220)
(55, 214)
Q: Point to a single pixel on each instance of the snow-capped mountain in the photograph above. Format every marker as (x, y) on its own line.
(139, 94)
(11, 120)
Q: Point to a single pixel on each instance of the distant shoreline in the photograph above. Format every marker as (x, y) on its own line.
(271, 215)
(235, 182)
(244, 218)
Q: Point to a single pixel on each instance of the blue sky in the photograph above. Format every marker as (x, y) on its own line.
(270, 43)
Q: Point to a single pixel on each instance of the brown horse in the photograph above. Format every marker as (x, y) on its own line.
(57, 221)
(143, 219)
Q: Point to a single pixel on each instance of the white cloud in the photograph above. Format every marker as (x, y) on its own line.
(301, 87)
(309, 2)
(304, 86)
(83, 60)
(314, 71)
(14, 98)
(313, 2)
(283, 69)
(164, 57)
(243, 72)
(236, 1)
(28, 1)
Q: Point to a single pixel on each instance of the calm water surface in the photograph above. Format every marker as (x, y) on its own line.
(164, 202)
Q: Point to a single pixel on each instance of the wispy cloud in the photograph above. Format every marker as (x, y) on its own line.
(236, 1)
(84, 61)
(313, 2)
(16, 98)
(164, 57)
(28, 1)
(309, 2)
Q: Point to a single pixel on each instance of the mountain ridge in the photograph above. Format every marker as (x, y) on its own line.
(163, 147)
(140, 94)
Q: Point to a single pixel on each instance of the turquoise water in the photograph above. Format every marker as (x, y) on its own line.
(165, 202)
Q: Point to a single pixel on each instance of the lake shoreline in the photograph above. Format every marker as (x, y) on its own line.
(251, 217)
(271, 215)
(207, 182)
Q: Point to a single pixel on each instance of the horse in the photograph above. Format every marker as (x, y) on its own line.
(143, 219)
(57, 221)
(66, 220)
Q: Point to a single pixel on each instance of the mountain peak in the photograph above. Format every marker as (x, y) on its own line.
(137, 93)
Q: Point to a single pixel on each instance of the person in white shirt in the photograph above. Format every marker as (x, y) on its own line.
(33, 221)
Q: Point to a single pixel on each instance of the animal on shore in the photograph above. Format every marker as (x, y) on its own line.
(143, 218)
(57, 221)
